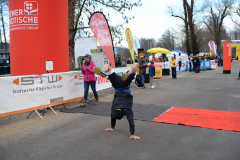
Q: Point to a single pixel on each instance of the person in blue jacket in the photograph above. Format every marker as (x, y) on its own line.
(151, 74)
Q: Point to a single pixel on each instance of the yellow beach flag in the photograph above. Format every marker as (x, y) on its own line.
(130, 42)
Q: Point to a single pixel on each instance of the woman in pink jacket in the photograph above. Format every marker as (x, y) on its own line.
(89, 79)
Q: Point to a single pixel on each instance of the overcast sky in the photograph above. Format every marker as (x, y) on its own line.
(152, 19)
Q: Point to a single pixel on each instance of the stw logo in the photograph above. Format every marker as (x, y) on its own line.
(30, 80)
(30, 8)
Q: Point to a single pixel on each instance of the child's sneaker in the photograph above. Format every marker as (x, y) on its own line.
(99, 72)
(124, 76)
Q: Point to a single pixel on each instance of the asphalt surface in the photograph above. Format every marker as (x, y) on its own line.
(141, 112)
(82, 136)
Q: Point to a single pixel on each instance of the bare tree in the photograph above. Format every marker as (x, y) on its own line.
(236, 10)
(124, 52)
(147, 43)
(218, 12)
(188, 14)
(79, 11)
(167, 40)
(3, 7)
(235, 33)
(1, 46)
(183, 15)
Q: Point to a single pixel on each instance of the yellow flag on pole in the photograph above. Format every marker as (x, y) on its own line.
(130, 42)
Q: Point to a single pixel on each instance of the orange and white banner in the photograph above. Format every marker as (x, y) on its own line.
(104, 83)
(25, 93)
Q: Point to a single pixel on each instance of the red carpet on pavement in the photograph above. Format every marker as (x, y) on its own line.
(224, 120)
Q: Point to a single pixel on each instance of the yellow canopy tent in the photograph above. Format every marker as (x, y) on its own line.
(159, 50)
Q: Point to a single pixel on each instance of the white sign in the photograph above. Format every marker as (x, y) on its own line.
(183, 66)
(49, 65)
(213, 64)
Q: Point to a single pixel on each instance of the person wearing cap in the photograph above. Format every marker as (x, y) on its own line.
(173, 67)
(123, 100)
(151, 74)
(142, 71)
(89, 79)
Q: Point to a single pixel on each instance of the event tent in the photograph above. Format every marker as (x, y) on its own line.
(178, 51)
(2, 58)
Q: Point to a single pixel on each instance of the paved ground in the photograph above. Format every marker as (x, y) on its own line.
(82, 136)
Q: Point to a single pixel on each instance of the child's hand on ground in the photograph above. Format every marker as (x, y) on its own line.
(109, 130)
(134, 137)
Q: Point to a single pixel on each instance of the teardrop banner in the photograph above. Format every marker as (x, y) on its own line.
(130, 42)
(100, 28)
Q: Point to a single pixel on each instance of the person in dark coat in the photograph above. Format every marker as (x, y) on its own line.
(119, 62)
(196, 64)
(129, 61)
(151, 74)
(142, 70)
(123, 100)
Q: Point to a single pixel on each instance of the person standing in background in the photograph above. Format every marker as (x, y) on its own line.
(136, 59)
(173, 67)
(119, 62)
(199, 63)
(190, 62)
(158, 59)
(153, 58)
(151, 74)
(129, 61)
(89, 79)
(221, 60)
(180, 62)
(196, 64)
(142, 71)
(147, 60)
(238, 74)
(166, 58)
